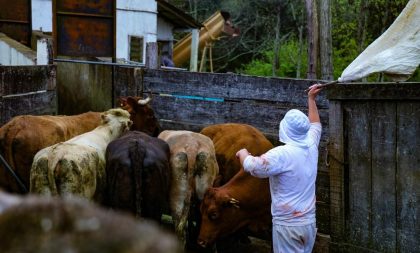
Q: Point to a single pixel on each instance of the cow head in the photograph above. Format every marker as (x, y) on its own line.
(142, 115)
(118, 119)
(221, 215)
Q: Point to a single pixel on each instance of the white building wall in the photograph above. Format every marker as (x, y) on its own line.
(12, 56)
(42, 15)
(135, 18)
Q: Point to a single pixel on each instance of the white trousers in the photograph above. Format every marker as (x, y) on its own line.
(293, 239)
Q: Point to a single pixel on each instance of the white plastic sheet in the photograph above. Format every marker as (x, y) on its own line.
(396, 52)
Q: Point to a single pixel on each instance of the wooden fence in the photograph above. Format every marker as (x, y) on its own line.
(27, 90)
(191, 101)
(374, 157)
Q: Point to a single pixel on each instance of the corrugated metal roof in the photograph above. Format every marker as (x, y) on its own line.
(176, 16)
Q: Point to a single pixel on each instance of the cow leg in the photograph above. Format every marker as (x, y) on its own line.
(41, 181)
(180, 194)
(77, 177)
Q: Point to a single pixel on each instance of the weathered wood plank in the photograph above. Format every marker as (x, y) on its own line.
(231, 86)
(127, 82)
(336, 170)
(408, 177)
(358, 129)
(374, 91)
(31, 104)
(24, 79)
(383, 176)
(265, 116)
(83, 87)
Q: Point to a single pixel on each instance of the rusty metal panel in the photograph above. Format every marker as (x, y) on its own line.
(99, 7)
(15, 20)
(84, 36)
(84, 28)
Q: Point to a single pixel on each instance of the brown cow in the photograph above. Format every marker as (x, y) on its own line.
(48, 225)
(23, 136)
(244, 201)
(228, 139)
(194, 168)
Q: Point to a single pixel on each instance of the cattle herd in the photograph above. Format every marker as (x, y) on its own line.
(104, 181)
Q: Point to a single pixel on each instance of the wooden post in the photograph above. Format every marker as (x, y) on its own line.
(194, 50)
(313, 39)
(152, 55)
(325, 40)
(203, 59)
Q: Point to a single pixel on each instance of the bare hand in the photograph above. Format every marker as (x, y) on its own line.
(242, 152)
(314, 90)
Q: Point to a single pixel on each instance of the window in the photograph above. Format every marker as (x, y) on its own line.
(136, 49)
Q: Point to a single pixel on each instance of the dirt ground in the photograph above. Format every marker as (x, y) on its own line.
(253, 245)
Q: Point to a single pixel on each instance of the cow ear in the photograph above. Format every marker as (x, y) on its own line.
(132, 102)
(104, 118)
(122, 101)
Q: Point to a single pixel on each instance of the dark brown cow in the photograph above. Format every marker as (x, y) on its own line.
(138, 175)
(49, 225)
(23, 136)
(142, 115)
(244, 201)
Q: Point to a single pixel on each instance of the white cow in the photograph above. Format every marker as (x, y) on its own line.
(77, 166)
(194, 169)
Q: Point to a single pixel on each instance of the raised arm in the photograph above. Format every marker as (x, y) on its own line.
(313, 114)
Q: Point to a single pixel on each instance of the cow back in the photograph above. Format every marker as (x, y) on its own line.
(23, 136)
(138, 175)
(228, 139)
(50, 225)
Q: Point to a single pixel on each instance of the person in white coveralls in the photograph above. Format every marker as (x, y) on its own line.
(292, 170)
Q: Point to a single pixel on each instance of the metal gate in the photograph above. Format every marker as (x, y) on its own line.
(15, 20)
(84, 28)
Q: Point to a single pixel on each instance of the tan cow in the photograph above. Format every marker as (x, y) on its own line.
(194, 168)
(77, 166)
(40, 224)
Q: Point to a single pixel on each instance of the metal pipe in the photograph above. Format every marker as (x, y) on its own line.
(323, 85)
(100, 63)
(12, 172)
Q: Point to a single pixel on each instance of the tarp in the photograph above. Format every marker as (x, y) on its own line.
(396, 52)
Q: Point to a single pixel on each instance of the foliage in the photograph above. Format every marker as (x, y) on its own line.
(355, 24)
(289, 57)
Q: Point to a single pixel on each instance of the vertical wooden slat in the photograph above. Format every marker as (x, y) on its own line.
(336, 169)
(408, 177)
(383, 176)
(83, 87)
(125, 82)
(358, 130)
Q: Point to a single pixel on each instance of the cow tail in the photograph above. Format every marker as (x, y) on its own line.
(8, 148)
(6, 144)
(42, 180)
(137, 153)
